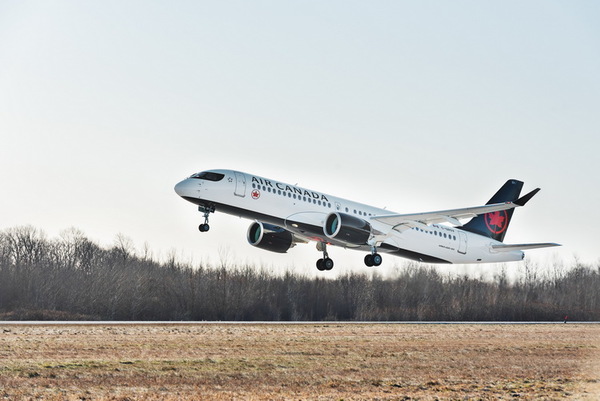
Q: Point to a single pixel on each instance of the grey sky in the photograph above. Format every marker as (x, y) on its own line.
(416, 106)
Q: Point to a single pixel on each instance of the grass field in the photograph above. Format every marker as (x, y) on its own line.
(307, 361)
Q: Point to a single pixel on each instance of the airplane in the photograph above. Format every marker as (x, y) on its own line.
(285, 215)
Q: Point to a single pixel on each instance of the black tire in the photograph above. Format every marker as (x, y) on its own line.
(377, 259)
(203, 228)
(320, 265)
(369, 260)
(328, 264)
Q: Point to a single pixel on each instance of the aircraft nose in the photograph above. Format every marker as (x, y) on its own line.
(181, 187)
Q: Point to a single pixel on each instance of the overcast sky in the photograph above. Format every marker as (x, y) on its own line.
(416, 106)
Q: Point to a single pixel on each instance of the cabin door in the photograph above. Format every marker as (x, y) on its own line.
(240, 184)
(462, 242)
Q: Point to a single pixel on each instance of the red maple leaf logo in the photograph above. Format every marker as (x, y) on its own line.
(496, 221)
(255, 194)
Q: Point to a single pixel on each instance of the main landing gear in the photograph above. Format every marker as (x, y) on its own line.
(206, 210)
(373, 259)
(325, 263)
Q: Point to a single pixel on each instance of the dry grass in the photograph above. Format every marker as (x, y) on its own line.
(312, 361)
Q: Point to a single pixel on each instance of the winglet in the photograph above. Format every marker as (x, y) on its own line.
(525, 198)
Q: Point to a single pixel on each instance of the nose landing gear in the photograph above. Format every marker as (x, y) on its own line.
(206, 210)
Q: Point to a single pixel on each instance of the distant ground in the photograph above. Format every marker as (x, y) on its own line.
(300, 361)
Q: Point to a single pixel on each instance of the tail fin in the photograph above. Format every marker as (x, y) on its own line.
(494, 225)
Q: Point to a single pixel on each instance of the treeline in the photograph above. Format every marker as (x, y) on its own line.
(73, 278)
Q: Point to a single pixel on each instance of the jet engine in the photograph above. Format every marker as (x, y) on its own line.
(347, 228)
(269, 237)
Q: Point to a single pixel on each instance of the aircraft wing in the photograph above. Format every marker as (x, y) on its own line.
(403, 222)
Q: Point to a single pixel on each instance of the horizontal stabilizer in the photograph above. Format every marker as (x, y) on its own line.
(522, 247)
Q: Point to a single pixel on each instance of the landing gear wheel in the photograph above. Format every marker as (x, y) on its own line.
(377, 259)
(324, 263)
(374, 259)
(203, 228)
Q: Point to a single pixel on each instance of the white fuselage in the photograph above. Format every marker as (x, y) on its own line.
(304, 212)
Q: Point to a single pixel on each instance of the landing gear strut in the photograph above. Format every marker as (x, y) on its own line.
(325, 263)
(206, 210)
(373, 259)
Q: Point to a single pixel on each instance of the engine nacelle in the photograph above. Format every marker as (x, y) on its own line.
(347, 228)
(269, 237)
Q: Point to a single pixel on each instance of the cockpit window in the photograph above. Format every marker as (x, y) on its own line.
(209, 175)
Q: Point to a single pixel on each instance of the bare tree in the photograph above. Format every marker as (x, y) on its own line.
(72, 276)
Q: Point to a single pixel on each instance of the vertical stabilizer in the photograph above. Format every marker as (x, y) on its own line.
(495, 224)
